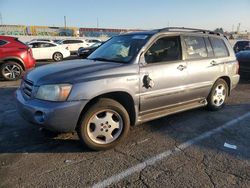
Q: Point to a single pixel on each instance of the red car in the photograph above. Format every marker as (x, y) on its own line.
(15, 58)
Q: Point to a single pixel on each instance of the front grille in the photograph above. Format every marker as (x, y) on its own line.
(27, 87)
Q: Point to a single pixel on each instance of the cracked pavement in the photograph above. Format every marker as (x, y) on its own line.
(33, 157)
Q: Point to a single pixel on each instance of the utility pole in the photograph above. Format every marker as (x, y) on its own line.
(97, 22)
(1, 19)
(65, 23)
(238, 28)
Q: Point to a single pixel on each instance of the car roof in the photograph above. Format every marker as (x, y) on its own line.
(49, 42)
(243, 40)
(176, 30)
(7, 37)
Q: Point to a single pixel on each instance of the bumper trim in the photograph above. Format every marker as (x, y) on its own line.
(56, 116)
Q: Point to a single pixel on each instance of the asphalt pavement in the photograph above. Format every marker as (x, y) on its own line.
(197, 148)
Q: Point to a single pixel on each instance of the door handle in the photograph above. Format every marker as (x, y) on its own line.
(213, 63)
(181, 67)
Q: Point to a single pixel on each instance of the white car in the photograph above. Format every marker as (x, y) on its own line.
(93, 41)
(74, 44)
(48, 50)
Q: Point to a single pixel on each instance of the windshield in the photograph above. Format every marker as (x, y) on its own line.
(120, 48)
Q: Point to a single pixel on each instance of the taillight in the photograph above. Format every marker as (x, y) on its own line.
(30, 52)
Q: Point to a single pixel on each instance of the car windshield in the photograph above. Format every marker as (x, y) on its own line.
(120, 48)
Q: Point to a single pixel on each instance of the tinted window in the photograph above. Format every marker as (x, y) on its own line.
(2, 42)
(164, 49)
(196, 47)
(72, 41)
(241, 45)
(219, 47)
(41, 45)
(34, 45)
(66, 42)
(77, 41)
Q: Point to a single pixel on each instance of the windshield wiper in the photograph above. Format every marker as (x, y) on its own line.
(104, 59)
(99, 59)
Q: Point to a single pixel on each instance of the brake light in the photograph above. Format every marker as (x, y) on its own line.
(30, 52)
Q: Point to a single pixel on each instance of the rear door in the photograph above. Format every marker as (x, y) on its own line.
(35, 50)
(163, 76)
(204, 61)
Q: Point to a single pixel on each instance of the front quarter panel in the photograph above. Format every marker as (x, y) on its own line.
(92, 88)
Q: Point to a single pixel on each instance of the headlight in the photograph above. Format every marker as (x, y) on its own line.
(58, 92)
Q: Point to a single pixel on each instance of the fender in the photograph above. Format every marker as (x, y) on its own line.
(14, 58)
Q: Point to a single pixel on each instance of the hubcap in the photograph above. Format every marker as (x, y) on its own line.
(219, 95)
(58, 57)
(105, 126)
(11, 71)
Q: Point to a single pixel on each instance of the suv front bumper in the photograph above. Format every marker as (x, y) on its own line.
(56, 116)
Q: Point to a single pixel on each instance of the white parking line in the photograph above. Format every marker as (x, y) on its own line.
(151, 161)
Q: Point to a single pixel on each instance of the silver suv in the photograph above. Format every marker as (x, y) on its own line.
(130, 79)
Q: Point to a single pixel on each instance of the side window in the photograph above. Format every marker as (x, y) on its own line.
(2, 42)
(164, 49)
(34, 45)
(78, 41)
(66, 42)
(45, 45)
(219, 47)
(196, 47)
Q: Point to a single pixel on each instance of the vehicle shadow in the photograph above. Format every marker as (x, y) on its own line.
(19, 136)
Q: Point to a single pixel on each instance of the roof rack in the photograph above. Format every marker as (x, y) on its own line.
(189, 30)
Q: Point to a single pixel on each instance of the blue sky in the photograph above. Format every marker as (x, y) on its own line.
(143, 14)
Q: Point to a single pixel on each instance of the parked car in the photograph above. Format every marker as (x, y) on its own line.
(85, 52)
(93, 41)
(15, 58)
(74, 44)
(242, 45)
(44, 40)
(130, 79)
(244, 60)
(48, 50)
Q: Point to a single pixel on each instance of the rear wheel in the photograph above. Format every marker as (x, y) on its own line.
(11, 71)
(218, 95)
(104, 125)
(57, 56)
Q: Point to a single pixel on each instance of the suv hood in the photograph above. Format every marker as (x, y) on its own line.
(76, 71)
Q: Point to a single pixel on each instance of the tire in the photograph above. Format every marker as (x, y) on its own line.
(11, 71)
(104, 125)
(218, 95)
(57, 56)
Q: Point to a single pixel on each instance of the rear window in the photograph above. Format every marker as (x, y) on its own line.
(219, 47)
(2, 42)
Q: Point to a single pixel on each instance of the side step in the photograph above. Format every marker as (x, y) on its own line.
(180, 107)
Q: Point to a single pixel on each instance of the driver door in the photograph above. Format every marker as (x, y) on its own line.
(163, 75)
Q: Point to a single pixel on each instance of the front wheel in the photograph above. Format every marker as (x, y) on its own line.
(104, 125)
(11, 71)
(218, 95)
